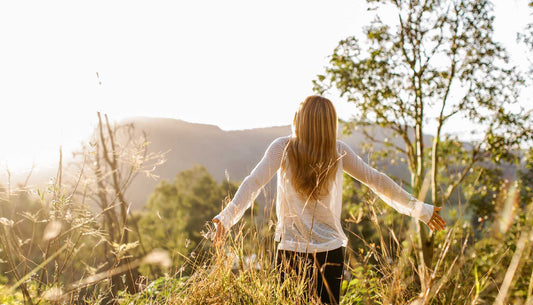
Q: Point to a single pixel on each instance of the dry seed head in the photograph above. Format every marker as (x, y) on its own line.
(6, 222)
(52, 230)
(53, 294)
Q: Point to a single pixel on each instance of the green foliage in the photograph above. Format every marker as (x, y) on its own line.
(176, 214)
(525, 176)
(483, 195)
(436, 60)
(10, 298)
(525, 37)
(363, 288)
(157, 292)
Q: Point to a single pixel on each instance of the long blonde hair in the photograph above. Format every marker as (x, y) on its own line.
(312, 151)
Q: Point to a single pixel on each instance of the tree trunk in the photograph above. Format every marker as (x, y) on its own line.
(426, 240)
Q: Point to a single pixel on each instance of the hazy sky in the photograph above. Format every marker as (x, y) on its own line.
(235, 64)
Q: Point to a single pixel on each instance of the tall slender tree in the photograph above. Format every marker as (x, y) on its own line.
(433, 64)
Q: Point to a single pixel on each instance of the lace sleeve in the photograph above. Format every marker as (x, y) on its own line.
(390, 192)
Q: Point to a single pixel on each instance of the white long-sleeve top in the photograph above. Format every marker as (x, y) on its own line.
(315, 225)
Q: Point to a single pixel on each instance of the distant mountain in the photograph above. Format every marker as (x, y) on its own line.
(233, 152)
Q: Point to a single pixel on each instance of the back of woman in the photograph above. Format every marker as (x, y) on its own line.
(309, 166)
(310, 181)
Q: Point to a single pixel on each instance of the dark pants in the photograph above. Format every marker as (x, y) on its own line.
(322, 269)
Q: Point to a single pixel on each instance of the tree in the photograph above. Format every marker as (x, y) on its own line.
(436, 61)
(526, 38)
(115, 155)
(175, 216)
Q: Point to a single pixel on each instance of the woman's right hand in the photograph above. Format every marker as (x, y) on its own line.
(219, 235)
(436, 222)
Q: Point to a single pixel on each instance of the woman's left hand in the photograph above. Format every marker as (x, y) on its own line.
(219, 233)
(436, 222)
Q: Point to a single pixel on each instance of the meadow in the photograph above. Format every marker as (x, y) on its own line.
(58, 250)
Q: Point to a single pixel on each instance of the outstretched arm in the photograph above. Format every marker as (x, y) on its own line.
(252, 185)
(390, 192)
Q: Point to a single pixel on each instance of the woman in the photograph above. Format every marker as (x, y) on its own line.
(309, 166)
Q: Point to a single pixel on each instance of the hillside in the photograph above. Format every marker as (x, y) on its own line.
(235, 152)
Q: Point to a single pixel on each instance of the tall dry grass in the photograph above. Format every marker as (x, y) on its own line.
(493, 267)
(466, 269)
(486, 265)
